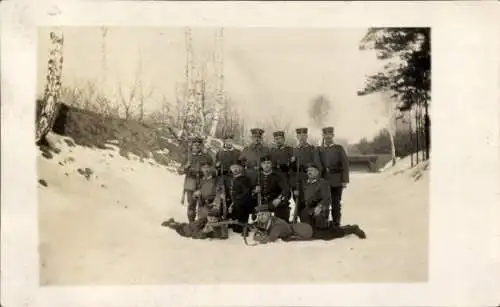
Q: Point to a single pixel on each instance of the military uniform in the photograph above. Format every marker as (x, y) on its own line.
(224, 158)
(242, 204)
(336, 172)
(192, 170)
(317, 196)
(302, 155)
(251, 155)
(273, 187)
(276, 228)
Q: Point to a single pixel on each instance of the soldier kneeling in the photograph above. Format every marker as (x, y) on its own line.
(209, 197)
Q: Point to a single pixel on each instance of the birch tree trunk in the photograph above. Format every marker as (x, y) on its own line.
(52, 91)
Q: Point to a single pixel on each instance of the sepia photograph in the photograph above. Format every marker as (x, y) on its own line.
(173, 155)
(249, 153)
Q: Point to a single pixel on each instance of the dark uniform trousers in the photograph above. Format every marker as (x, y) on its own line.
(241, 199)
(336, 204)
(336, 172)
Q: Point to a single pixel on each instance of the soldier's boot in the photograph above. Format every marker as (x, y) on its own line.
(168, 222)
(355, 230)
(336, 215)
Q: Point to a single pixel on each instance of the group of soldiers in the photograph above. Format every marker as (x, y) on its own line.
(259, 182)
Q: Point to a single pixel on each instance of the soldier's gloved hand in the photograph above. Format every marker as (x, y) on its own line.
(292, 159)
(258, 189)
(217, 164)
(296, 192)
(276, 202)
(230, 209)
(197, 193)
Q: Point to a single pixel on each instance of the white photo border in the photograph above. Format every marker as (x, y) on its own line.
(464, 197)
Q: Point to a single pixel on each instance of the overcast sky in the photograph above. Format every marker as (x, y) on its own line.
(268, 71)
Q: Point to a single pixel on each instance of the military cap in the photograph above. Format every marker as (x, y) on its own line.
(311, 165)
(257, 132)
(278, 133)
(327, 130)
(265, 158)
(228, 136)
(262, 208)
(301, 130)
(239, 162)
(197, 139)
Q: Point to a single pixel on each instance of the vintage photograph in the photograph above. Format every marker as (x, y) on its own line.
(233, 155)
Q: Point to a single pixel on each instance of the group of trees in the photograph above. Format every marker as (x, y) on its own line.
(406, 79)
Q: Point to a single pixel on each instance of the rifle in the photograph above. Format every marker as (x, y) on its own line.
(297, 198)
(224, 228)
(198, 187)
(259, 193)
(247, 227)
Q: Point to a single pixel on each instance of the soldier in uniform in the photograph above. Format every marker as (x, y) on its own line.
(192, 170)
(274, 189)
(335, 171)
(225, 157)
(281, 155)
(303, 154)
(251, 154)
(209, 197)
(317, 199)
(271, 228)
(242, 204)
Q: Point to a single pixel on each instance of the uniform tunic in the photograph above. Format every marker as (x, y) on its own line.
(251, 156)
(316, 193)
(281, 156)
(226, 157)
(274, 185)
(304, 154)
(192, 169)
(336, 164)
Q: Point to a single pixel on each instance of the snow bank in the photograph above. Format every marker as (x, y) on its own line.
(103, 226)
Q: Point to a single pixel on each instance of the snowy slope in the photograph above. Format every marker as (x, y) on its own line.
(106, 229)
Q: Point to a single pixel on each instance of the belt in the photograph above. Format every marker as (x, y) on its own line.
(333, 171)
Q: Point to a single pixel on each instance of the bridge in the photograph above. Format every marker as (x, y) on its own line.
(368, 163)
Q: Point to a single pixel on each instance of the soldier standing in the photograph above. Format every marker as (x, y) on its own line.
(281, 155)
(303, 154)
(336, 170)
(242, 204)
(225, 157)
(192, 170)
(274, 189)
(251, 154)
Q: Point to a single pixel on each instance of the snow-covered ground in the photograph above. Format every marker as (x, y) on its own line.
(106, 230)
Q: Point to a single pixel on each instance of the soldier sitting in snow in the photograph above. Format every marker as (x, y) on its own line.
(270, 228)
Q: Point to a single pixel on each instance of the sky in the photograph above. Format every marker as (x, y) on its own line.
(269, 72)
